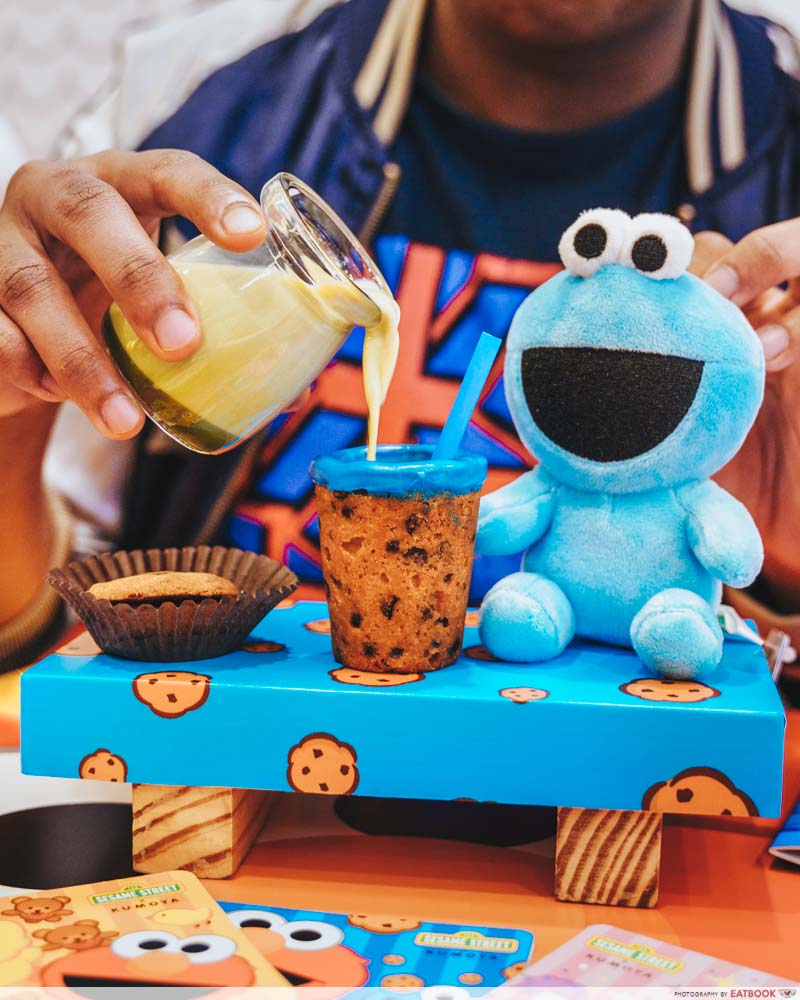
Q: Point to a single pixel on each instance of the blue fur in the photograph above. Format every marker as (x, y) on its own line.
(625, 541)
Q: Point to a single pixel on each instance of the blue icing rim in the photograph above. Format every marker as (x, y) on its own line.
(400, 470)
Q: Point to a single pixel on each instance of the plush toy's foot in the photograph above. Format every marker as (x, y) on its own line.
(676, 634)
(526, 617)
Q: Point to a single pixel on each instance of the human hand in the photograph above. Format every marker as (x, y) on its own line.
(76, 234)
(765, 474)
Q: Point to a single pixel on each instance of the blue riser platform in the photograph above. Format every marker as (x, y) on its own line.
(449, 735)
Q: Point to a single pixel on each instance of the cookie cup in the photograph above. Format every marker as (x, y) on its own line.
(173, 631)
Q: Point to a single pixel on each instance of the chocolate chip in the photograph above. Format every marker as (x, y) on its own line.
(369, 649)
(347, 511)
(317, 753)
(416, 554)
(412, 523)
(444, 622)
(171, 698)
(335, 582)
(726, 812)
(454, 647)
(447, 577)
(91, 770)
(359, 493)
(427, 614)
(684, 795)
(393, 546)
(434, 657)
(306, 770)
(356, 619)
(323, 786)
(340, 494)
(396, 652)
(435, 643)
(387, 608)
(344, 769)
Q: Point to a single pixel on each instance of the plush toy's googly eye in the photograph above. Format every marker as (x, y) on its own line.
(659, 246)
(595, 238)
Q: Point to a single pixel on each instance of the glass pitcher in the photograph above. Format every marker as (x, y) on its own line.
(270, 319)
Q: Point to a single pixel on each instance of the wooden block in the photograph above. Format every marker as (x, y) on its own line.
(205, 830)
(608, 856)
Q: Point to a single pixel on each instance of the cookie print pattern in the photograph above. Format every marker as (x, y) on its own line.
(320, 763)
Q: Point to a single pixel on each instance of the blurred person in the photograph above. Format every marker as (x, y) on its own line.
(459, 138)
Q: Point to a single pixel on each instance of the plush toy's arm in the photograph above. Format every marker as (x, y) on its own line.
(514, 517)
(722, 534)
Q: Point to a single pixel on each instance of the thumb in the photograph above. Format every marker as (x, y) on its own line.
(708, 248)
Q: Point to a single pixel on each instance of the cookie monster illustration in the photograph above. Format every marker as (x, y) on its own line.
(631, 382)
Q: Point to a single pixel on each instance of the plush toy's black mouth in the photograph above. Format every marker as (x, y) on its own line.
(607, 405)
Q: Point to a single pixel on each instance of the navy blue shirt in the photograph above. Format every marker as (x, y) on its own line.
(473, 185)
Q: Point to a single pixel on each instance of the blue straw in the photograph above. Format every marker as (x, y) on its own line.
(468, 395)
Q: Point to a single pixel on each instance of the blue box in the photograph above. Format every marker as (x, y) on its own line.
(581, 730)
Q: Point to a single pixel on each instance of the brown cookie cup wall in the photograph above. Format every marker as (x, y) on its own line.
(397, 575)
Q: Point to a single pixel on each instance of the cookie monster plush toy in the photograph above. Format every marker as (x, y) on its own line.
(631, 382)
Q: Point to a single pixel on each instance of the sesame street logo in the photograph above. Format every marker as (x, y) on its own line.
(136, 892)
(467, 941)
(641, 953)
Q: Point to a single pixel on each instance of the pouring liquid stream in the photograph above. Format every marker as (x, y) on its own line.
(379, 358)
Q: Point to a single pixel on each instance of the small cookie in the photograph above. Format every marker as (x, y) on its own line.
(262, 646)
(699, 790)
(366, 678)
(321, 763)
(393, 960)
(479, 653)
(379, 924)
(470, 978)
(171, 694)
(522, 695)
(321, 626)
(162, 586)
(513, 970)
(667, 690)
(102, 765)
(402, 982)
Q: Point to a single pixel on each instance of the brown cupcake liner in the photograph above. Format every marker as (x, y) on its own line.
(173, 631)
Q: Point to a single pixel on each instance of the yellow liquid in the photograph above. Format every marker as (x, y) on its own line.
(381, 347)
(266, 334)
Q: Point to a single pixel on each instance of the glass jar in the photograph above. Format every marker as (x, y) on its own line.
(271, 320)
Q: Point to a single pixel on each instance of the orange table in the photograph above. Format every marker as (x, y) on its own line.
(721, 892)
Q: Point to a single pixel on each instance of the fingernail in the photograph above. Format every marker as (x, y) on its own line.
(175, 330)
(242, 219)
(120, 414)
(774, 339)
(723, 280)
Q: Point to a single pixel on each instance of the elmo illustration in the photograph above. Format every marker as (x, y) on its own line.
(153, 958)
(306, 952)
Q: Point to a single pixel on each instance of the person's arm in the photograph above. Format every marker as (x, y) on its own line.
(26, 532)
(765, 474)
(73, 235)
